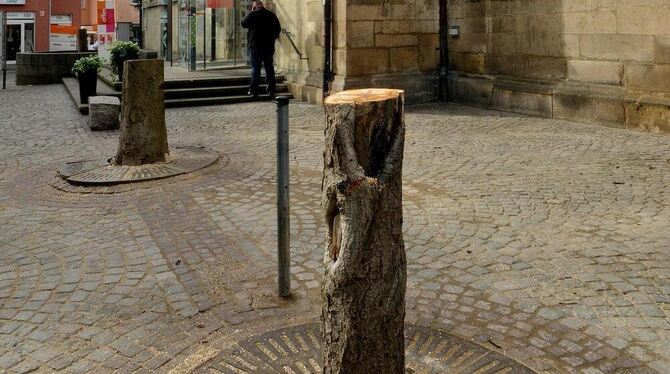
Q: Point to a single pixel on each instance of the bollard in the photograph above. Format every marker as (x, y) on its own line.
(3, 48)
(283, 205)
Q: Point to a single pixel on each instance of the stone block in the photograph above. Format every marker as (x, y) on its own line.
(365, 61)
(509, 65)
(404, 60)
(618, 47)
(471, 90)
(591, 104)
(474, 63)
(662, 49)
(578, 5)
(475, 25)
(467, 9)
(400, 40)
(647, 77)
(547, 68)
(340, 34)
(522, 102)
(595, 71)
(409, 26)
(503, 44)
(360, 34)
(473, 43)
(104, 112)
(590, 23)
(648, 116)
(649, 20)
(429, 52)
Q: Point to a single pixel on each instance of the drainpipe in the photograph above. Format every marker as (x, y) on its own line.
(442, 90)
(141, 36)
(327, 46)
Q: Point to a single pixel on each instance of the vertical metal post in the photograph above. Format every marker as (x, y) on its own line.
(192, 35)
(204, 37)
(3, 48)
(283, 205)
(170, 31)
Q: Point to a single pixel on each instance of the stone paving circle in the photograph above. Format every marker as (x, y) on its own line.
(184, 159)
(541, 240)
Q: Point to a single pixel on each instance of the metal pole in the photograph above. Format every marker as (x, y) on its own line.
(3, 48)
(204, 37)
(192, 36)
(170, 32)
(283, 204)
(443, 82)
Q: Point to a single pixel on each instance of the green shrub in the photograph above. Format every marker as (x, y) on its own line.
(85, 64)
(122, 50)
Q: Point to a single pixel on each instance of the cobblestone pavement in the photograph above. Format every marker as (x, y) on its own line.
(545, 240)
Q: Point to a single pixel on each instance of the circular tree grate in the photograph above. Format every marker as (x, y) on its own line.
(297, 350)
(94, 173)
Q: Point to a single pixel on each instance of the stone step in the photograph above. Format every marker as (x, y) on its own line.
(202, 101)
(218, 91)
(214, 82)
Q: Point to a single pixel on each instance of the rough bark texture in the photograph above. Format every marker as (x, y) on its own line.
(143, 137)
(363, 288)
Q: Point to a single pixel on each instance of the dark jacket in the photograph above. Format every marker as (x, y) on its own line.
(264, 29)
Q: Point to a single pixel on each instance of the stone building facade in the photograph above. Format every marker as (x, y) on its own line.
(604, 61)
(601, 61)
(376, 43)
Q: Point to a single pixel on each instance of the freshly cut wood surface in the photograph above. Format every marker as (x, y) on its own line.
(365, 95)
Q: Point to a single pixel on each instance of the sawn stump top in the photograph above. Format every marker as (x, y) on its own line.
(363, 96)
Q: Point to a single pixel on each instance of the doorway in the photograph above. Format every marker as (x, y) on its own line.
(20, 34)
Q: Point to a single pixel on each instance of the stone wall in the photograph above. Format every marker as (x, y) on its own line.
(387, 43)
(45, 67)
(604, 61)
(304, 21)
(377, 43)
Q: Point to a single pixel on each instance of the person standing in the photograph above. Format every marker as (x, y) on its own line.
(264, 29)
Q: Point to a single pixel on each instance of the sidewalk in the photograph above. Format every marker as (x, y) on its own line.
(543, 240)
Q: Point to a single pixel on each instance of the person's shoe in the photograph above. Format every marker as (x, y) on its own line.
(252, 94)
(272, 93)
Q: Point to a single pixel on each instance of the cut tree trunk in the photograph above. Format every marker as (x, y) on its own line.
(143, 138)
(363, 288)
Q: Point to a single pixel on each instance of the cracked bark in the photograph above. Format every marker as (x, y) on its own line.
(143, 138)
(363, 287)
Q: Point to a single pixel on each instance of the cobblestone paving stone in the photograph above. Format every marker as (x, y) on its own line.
(544, 240)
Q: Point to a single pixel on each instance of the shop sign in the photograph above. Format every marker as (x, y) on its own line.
(12, 2)
(21, 15)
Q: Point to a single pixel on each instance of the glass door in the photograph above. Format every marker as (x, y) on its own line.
(15, 39)
(20, 38)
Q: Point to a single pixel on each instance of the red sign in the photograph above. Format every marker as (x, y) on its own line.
(220, 4)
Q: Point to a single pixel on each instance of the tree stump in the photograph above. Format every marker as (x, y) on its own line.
(143, 138)
(363, 287)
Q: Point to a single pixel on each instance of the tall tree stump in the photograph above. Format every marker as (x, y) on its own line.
(363, 287)
(143, 137)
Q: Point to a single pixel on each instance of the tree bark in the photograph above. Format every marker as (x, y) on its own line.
(363, 287)
(143, 138)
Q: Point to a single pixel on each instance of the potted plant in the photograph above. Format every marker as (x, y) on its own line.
(121, 51)
(86, 69)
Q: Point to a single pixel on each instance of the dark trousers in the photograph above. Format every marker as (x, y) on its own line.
(265, 57)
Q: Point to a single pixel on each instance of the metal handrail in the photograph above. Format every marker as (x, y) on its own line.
(295, 47)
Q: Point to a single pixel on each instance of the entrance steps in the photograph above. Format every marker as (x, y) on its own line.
(211, 90)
